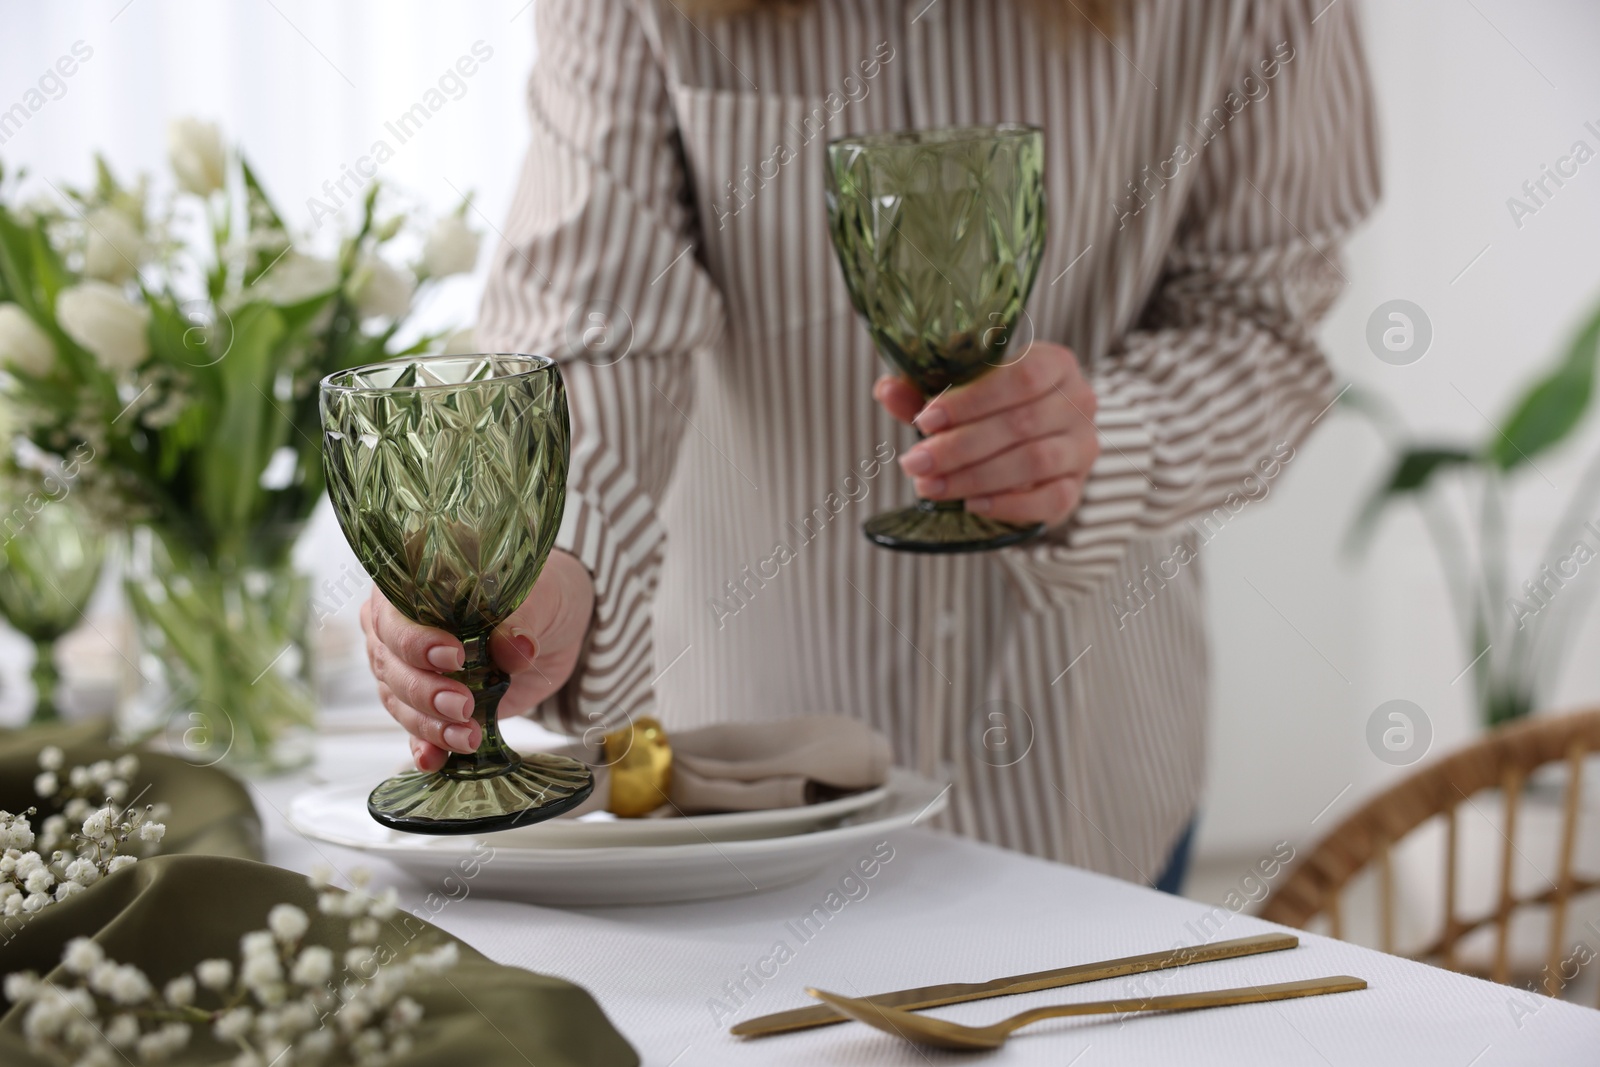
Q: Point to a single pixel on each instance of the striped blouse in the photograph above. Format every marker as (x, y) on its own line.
(668, 236)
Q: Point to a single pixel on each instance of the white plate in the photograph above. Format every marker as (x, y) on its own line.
(593, 877)
(603, 830)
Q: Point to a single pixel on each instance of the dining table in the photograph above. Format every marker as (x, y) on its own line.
(938, 908)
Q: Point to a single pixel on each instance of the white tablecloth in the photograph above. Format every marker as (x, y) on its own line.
(673, 978)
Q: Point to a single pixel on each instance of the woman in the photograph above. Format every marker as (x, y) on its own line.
(668, 235)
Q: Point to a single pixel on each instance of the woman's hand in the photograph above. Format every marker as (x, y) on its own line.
(1016, 444)
(539, 646)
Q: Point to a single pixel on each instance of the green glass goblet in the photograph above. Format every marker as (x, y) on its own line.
(49, 567)
(448, 475)
(940, 234)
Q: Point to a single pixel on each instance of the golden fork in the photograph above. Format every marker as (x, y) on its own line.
(941, 1033)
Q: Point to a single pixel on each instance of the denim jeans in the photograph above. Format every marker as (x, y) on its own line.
(1171, 879)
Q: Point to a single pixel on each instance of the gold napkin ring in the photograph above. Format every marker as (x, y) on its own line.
(641, 768)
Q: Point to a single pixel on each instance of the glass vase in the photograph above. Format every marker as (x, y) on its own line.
(225, 664)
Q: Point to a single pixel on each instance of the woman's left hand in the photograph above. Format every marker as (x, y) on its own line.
(1016, 444)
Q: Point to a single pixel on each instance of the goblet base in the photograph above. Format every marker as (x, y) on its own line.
(944, 528)
(531, 789)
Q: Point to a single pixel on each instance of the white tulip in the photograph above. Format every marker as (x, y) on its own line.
(451, 248)
(22, 344)
(294, 279)
(115, 246)
(98, 317)
(194, 148)
(377, 288)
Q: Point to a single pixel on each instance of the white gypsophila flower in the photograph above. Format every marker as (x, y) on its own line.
(51, 757)
(321, 877)
(258, 943)
(315, 1046)
(378, 288)
(356, 959)
(365, 930)
(194, 149)
(116, 790)
(45, 783)
(295, 1018)
(164, 1043)
(385, 905)
(126, 766)
(83, 871)
(78, 777)
(77, 808)
(214, 974)
(97, 316)
(39, 881)
(99, 824)
(152, 831)
(262, 975)
(232, 1025)
(451, 248)
(405, 1012)
(179, 992)
(313, 966)
(294, 279)
(14, 905)
(440, 959)
(20, 986)
(24, 346)
(121, 982)
(287, 922)
(367, 1047)
(66, 889)
(101, 772)
(119, 862)
(115, 246)
(122, 1031)
(27, 863)
(16, 834)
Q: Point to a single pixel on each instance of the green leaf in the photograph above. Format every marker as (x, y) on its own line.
(1553, 405)
(248, 427)
(1412, 473)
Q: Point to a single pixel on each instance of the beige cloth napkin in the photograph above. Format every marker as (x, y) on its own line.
(752, 766)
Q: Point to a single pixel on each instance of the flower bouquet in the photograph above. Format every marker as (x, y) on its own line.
(164, 354)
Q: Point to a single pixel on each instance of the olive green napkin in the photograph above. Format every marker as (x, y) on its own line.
(168, 913)
(210, 813)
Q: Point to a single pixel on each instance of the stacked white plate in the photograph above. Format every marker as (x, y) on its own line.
(600, 860)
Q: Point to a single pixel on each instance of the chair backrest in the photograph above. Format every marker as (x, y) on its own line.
(1503, 759)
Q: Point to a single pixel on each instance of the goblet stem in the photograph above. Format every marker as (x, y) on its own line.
(46, 681)
(488, 684)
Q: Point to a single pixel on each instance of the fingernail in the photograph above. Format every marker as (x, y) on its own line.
(932, 420)
(931, 487)
(458, 738)
(453, 705)
(523, 642)
(446, 658)
(980, 504)
(917, 461)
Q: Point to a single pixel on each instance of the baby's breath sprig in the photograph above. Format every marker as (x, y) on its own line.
(285, 1002)
(84, 841)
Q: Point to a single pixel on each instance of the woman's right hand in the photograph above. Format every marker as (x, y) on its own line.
(538, 646)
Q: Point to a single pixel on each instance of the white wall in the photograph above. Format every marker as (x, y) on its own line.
(1474, 97)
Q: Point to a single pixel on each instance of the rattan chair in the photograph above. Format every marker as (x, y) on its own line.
(1504, 759)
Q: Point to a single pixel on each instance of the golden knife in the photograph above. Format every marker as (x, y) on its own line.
(959, 992)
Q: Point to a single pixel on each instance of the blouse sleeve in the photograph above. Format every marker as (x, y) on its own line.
(1223, 377)
(597, 265)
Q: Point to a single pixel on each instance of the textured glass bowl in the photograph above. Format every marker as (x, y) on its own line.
(940, 234)
(448, 475)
